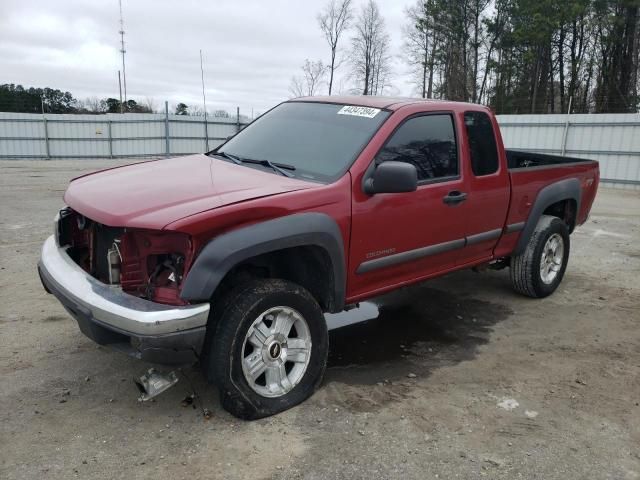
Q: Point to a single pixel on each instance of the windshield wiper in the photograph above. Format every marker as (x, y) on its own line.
(281, 168)
(233, 158)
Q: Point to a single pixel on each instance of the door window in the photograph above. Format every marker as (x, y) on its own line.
(428, 142)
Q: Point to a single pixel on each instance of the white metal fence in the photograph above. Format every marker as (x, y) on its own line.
(25, 135)
(612, 139)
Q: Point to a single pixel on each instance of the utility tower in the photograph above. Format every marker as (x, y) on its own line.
(123, 51)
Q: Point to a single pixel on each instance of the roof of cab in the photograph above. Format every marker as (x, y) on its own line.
(388, 103)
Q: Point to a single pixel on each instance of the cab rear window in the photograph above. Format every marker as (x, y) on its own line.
(482, 143)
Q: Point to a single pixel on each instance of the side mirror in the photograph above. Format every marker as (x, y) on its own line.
(392, 177)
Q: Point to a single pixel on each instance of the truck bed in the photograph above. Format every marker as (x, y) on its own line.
(518, 159)
(529, 173)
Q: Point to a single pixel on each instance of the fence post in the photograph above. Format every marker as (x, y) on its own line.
(46, 137)
(237, 119)
(110, 139)
(166, 128)
(565, 134)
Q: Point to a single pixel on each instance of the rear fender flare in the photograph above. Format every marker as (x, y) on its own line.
(568, 189)
(224, 252)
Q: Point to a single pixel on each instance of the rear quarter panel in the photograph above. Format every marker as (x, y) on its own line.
(526, 184)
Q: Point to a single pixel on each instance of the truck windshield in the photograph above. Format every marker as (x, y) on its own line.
(316, 141)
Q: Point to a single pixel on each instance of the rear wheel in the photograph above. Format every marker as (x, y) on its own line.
(269, 350)
(538, 271)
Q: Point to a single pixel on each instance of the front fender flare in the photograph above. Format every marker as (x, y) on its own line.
(222, 253)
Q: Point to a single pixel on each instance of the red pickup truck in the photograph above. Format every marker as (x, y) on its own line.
(231, 258)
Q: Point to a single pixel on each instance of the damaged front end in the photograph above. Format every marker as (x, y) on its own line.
(123, 287)
(143, 263)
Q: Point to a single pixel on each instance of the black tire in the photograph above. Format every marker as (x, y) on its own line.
(526, 276)
(223, 349)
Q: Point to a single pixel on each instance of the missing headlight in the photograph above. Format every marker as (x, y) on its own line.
(166, 277)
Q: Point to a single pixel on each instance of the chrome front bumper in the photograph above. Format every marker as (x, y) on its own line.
(93, 302)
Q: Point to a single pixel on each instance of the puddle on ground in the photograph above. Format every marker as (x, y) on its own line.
(418, 325)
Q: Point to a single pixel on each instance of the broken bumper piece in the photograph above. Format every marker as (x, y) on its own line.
(147, 330)
(153, 383)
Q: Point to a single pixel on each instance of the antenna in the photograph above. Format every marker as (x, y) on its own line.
(123, 51)
(204, 104)
(120, 86)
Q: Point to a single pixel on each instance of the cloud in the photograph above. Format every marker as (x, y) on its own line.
(251, 48)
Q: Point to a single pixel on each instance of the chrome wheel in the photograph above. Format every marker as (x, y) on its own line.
(276, 351)
(552, 258)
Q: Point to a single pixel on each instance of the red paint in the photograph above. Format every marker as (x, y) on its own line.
(201, 197)
(153, 194)
(526, 184)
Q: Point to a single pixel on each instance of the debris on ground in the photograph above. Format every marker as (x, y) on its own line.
(412, 375)
(494, 461)
(531, 413)
(508, 404)
(153, 383)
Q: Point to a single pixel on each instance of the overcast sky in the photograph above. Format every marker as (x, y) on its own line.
(251, 48)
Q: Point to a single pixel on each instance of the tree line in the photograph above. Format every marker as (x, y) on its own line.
(518, 56)
(16, 98)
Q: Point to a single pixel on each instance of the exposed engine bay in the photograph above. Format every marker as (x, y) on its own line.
(144, 263)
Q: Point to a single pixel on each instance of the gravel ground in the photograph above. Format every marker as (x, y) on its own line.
(457, 378)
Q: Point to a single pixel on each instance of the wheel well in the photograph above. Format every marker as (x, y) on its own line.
(565, 210)
(307, 266)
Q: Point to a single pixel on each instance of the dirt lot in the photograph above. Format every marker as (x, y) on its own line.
(504, 386)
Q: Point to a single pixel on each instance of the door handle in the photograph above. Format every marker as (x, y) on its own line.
(454, 198)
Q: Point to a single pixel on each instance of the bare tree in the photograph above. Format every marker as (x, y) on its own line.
(313, 74)
(421, 43)
(334, 20)
(220, 114)
(296, 87)
(150, 103)
(370, 50)
(194, 111)
(93, 105)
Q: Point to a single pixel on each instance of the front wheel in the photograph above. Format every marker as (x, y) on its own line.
(538, 270)
(269, 350)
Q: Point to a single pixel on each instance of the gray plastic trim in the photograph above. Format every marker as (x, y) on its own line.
(410, 255)
(222, 253)
(568, 189)
(514, 227)
(484, 236)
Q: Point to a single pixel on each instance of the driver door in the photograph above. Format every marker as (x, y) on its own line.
(398, 238)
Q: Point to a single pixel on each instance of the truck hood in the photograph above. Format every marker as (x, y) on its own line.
(154, 194)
